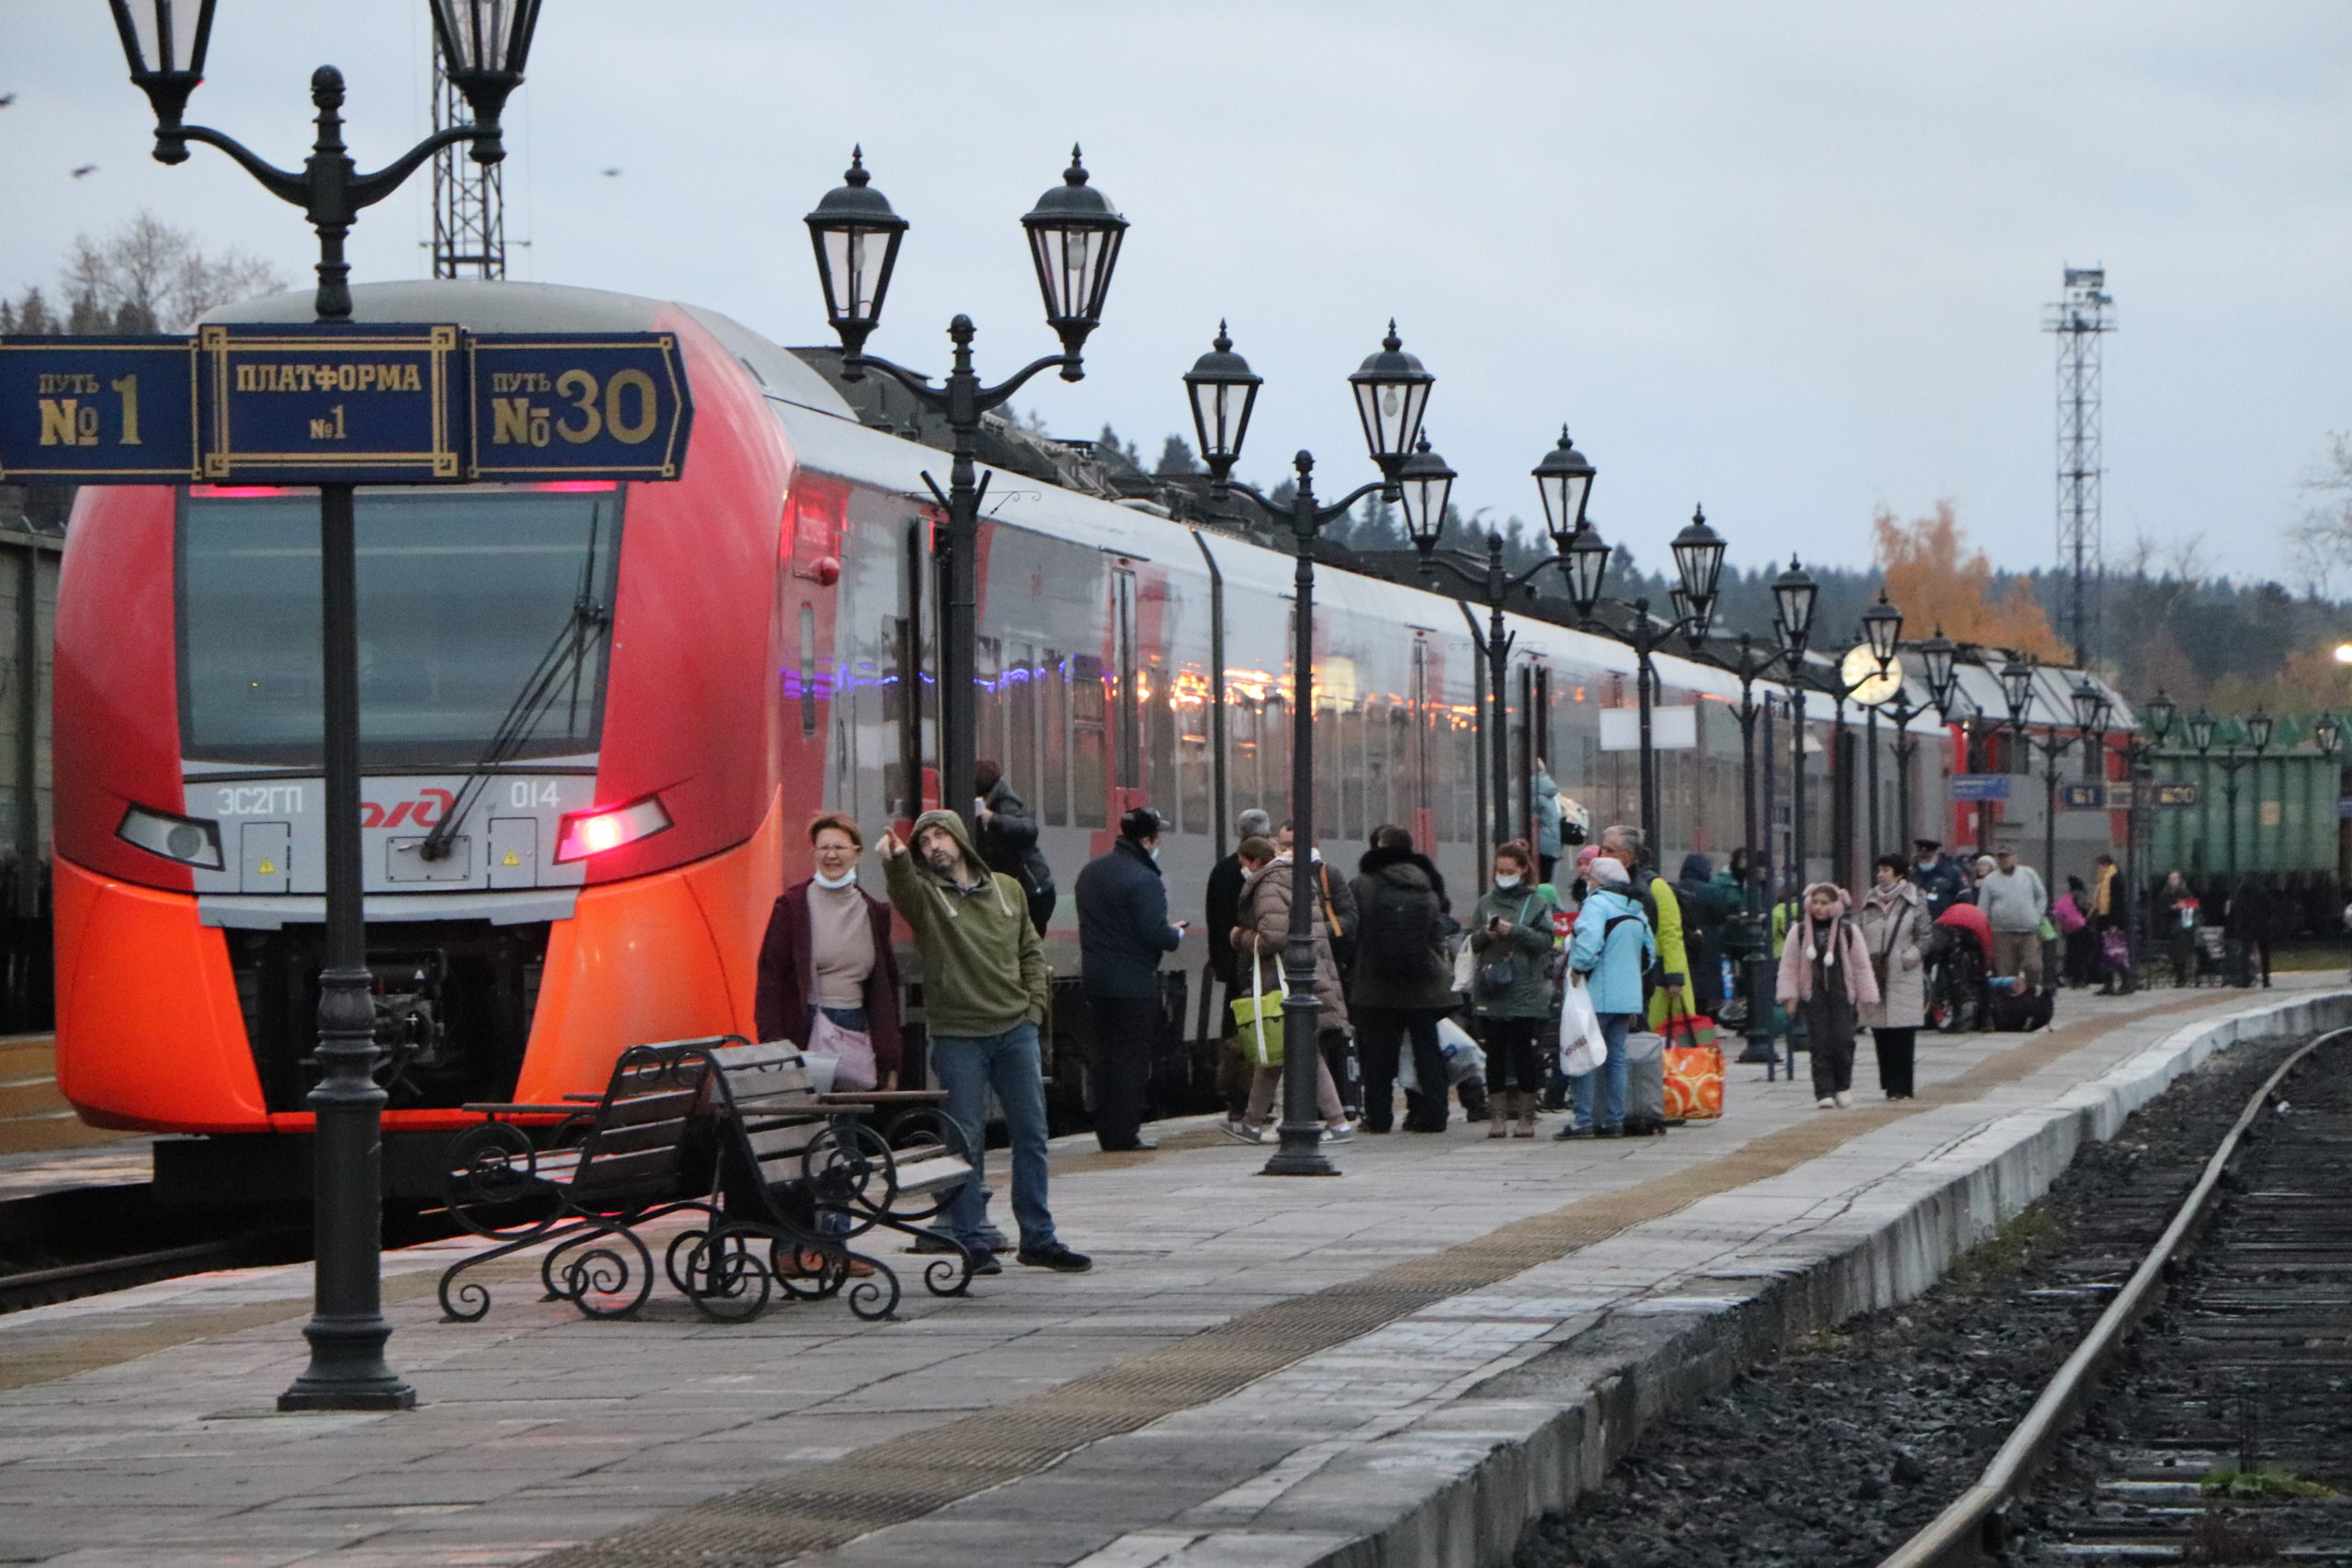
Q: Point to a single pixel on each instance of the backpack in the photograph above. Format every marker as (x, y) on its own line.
(1396, 928)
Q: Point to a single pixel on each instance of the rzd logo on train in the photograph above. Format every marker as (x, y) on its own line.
(433, 805)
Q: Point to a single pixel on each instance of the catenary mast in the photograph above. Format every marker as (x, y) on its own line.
(2080, 319)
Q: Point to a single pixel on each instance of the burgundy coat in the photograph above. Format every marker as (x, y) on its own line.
(786, 1007)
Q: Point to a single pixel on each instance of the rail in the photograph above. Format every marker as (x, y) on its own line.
(1974, 1528)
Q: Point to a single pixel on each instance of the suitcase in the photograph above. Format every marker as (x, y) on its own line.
(1644, 1085)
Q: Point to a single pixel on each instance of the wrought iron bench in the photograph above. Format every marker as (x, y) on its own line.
(800, 1179)
(634, 1160)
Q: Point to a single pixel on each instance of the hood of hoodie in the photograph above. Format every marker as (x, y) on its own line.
(1697, 869)
(955, 826)
(1377, 862)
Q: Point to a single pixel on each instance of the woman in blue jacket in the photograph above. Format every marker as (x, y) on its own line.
(1611, 949)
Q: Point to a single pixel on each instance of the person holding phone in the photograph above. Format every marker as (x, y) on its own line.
(1122, 929)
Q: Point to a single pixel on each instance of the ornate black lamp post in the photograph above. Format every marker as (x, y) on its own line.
(1565, 479)
(2255, 732)
(1751, 665)
(1795, 594)
(2016, 687)
(486, 44)
(1074, 239)
(1698, 563)
(2138, 751)
(1392, 392)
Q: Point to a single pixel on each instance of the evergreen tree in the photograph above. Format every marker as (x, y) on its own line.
(1176, 457)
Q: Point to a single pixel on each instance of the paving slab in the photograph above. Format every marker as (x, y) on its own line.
(1393, 1367)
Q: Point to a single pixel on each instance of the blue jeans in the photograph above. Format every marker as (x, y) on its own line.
(1610, 1076)
(967, 1067)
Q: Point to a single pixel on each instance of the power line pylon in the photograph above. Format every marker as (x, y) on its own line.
(2080, 319)
(469, 198)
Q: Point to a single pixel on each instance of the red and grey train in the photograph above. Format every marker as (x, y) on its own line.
(634, 696)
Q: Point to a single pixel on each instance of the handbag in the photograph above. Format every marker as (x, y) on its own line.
(1694, 1066)
(2117, 948)
(853, 1054)
(1498, 975)
(1465, 968)
(1258, 1017)
(1581, 1046)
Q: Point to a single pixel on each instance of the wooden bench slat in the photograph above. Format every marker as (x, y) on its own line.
(598, 1170)
(669, 1105)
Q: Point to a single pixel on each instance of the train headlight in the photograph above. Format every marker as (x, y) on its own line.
(191, 841)
(586, 833)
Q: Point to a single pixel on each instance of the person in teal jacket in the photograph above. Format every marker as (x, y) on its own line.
(1613, 947)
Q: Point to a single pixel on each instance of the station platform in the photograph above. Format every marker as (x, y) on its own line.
(1401, 1366)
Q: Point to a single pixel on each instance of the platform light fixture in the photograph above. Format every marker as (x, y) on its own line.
(1699, 561)
(1564, 480)
(1428, 485)
(1882, 629)
(856, 236)
(1794, 594)
(1222, 390)
(1392, 391)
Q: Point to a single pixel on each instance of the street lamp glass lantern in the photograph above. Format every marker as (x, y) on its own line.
(2200, 731)
(1882, 629)
(1391, 392)
(1428, 483)
(1937, 653)
(1793, 594)
(1074, 237)
(1222, 390)
(165, 37)
(2257, 729)
(1563, 478)
(856, 236)
(1586, 563)
(2159, 711)
(1699, 558)
(483, 36)
(2089, 703)
(2327, 735)
(2017, 688)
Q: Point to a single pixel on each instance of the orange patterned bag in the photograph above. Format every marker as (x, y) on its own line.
(1694, 1069)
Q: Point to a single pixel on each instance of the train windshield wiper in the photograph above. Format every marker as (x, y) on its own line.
(556, 678)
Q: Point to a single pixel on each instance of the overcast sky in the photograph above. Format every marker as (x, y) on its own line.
(1790, 260)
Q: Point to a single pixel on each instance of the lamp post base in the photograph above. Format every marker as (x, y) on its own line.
(347, 1369)
(1287, 1163)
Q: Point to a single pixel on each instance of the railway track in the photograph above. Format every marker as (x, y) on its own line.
(81, 1241)
(2207, 1415)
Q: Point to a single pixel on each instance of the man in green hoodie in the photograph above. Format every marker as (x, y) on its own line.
(984, 994)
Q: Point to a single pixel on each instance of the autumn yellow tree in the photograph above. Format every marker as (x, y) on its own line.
(1936, 581)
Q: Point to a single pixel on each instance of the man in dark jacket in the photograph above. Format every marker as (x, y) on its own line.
(1704, 918)
(1007, 841)
(1122, 928)
(1937, 874)
(1402, 984)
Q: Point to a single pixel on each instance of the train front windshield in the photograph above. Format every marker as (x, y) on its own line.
(479, 610)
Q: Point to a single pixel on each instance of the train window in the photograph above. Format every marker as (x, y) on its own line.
(467, 599)
(988, 708)
(1090, 774)
(1160, 725)
(1192, 791)
(1053, 678)
(1273, 751)
(1350, 823)
(808, 671)
(1246, 768)
(1020, 686)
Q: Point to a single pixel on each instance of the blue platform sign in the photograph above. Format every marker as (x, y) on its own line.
(75, 409)
(550, 406)
(1980, 786)
(309, 404)
(343, 404)
(2083, 797)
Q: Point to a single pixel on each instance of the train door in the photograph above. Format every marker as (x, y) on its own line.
(1127, 713)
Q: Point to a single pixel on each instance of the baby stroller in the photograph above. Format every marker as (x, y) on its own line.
(1956, 990)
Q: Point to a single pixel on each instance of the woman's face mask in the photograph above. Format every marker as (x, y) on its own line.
(1507, 881)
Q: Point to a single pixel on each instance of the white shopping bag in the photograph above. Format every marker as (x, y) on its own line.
(1581, 1047)
(1463, 1060)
